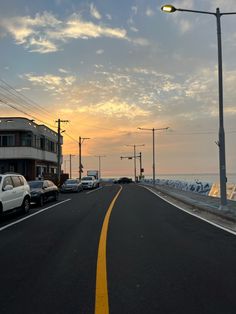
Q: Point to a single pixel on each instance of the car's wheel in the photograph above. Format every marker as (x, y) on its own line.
(26, 205)
(1, 210)
(41, 200)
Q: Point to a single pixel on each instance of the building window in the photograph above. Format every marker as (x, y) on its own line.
(26, 139)
(7, 140)
(42, 143)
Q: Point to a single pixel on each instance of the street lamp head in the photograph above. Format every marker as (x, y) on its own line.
(168, 8)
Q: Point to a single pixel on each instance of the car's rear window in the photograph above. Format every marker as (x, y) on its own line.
(71, 181)
(35, 184)
(87, 178)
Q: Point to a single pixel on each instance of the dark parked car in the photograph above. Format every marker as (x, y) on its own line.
(124, 180)
(42, 191)
(71, 185)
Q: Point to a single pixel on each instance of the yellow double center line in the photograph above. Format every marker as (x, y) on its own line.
(101, 297)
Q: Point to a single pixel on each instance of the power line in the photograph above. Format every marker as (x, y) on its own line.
(23, 97)
(27, 114)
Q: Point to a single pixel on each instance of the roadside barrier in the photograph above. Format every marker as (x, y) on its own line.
(231, 191)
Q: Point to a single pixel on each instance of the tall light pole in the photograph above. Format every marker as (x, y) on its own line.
(81, 140)
(135, 171)
(153, 150)
(221, 142)
(99, 164)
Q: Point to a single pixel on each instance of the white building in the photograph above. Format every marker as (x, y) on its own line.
(27, 148)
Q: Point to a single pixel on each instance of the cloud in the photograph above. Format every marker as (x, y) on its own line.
(94, 12)
(149, 12)
(185, 25)
(140, 41)
(63, 70)
(41, 45)
(133, 29)
(45, 33)
(115, 108)
(134, 10)
(51, 82)
(99, 51)
(109, 17)
(225, 6)
(184, 4)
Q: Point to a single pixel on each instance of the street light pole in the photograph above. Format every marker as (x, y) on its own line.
(223, 178)
(99, 165)
(135, 171)
(153, 150)
(71, 165)
(81, 140)
(153, 158)
(221, 142)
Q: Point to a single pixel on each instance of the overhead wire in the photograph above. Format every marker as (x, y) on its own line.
(23, 97)
(27, 114)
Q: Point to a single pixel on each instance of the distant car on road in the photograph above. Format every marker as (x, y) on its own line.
(14, 192)
(124, 180)
(71, 185)
(42, 191)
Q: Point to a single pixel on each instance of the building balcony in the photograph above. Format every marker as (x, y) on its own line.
(22, 152)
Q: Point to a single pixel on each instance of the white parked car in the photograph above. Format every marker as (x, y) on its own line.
(14, 192)
(89, 182)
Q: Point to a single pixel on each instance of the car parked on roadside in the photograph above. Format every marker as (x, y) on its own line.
(42, 191)
(71, 185)
(14, 192)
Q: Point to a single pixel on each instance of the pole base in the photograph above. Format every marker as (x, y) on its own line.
(223, 208)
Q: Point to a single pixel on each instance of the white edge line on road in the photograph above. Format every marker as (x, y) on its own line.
(192, 214)
(31, 215)
(94, 190)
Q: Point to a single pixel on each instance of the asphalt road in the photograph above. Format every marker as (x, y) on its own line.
(158, 259)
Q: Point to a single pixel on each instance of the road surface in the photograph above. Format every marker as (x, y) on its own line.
(115, 250)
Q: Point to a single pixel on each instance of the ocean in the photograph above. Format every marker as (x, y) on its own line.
(203, 177)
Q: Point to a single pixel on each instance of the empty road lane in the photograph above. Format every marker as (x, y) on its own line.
(157, 258)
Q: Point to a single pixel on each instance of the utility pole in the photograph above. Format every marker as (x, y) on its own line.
(65, 165)
(81, 140)
(153, 150)
(141, 168)
(71, 166)
(99, 164)
(80, 165)
(59, 121)
(134, 146)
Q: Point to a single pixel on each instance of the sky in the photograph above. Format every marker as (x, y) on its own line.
(110, 67)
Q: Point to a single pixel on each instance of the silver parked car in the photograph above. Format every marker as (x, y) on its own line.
(71, 185)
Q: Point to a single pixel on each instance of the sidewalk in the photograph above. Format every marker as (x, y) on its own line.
(200, 203)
